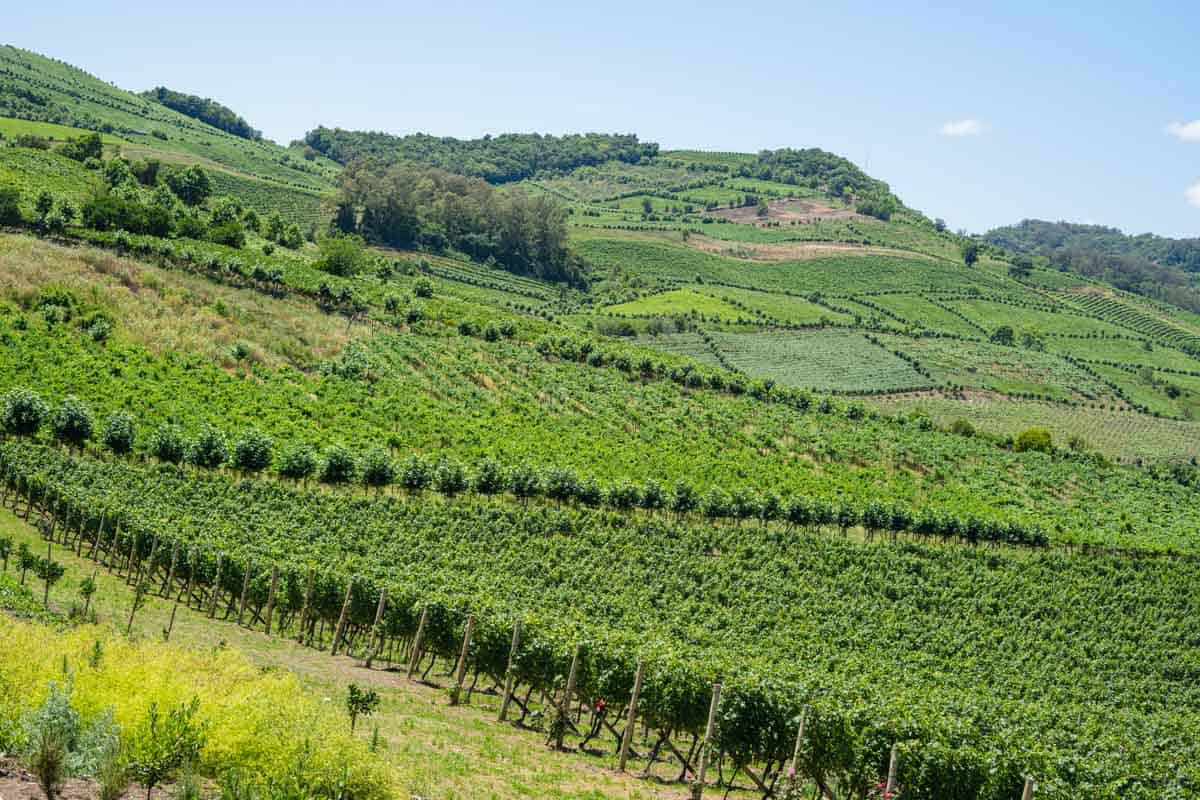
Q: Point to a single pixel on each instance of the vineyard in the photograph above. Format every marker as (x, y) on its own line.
(789, 605)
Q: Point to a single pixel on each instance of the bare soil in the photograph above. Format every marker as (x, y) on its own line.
(791, 251)
(791, 209)
(17, 783)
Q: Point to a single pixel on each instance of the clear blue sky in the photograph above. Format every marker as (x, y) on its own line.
(1062, 109)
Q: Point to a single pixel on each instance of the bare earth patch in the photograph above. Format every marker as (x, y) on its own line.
(792, 251)
(791, 209)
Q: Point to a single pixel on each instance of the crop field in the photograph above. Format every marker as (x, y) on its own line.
(12, 128)
(921, 312)
(35, 170)
(1120, 435)
(788, 309)
(679, 301)
(1125, 351)
(302, 206)
(1139, 391)
(687, 344)
(1138, 318)
(827, 360)
(991, 315)
(659, 259)
(1009, 370)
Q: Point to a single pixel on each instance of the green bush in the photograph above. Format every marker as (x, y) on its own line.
(1034, 439)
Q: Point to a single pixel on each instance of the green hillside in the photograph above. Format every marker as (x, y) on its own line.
(693, 416)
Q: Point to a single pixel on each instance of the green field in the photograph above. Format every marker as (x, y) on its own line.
(679, 301)
(826, 360)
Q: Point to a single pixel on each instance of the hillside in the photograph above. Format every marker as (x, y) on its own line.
(552, 412)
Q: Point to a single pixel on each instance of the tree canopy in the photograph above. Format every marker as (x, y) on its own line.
(204, 109)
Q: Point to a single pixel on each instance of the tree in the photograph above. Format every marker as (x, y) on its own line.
(23, 412)
(970, 252)
(342, 255)
(72, 423)
(378, 470)
(489, 477)
(191, 185)
(1003, 335)
(44, 204)
(168, 445)
(1021, 267)
(118, 433)
(298, 462)
(10, 205)
(448, 477)
(208, 450)
(252, 451)
(360, 703)
(159, 746)
(414, 474)
(1034, 439)
(338, 466)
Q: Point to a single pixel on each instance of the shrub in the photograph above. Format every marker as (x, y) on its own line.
(338, 466)
(423, 288)
(298, 462)
(1034, 439)
(378, 469)
(118, 433)
(230, 234)
(72, 422)
(962, 427)
(160, 746)
(10, 205)
(342, 255)
(252, 451)
(23, 412)
(208, 450)
(168, 445)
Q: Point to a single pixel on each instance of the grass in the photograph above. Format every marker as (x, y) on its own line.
(788, 309)
(922, 312)
(991, 315)
(679, 301)
(12, 128)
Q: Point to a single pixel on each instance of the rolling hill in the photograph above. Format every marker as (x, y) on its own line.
(787, 436)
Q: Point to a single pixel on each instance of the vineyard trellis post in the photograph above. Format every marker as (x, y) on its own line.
(709, 730)
(308, 589)
(245, 591)
(216, 589)
(374, 649)
(893, 763)
(271, 600)
(341, 623)
(509, 675)
(572, 678)
(1030, 786)
(460, 673)
(631, 716)
(793, 771)
(418, 639)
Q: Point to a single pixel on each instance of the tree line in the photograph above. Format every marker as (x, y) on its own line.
(23, 414)
(496, 159)
(206, 110)
(405, 206)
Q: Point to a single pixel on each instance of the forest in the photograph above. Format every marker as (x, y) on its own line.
(205, 110)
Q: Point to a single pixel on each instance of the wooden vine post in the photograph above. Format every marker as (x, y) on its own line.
(271, 600)
(893, 763)
(631, 717)
(216, 590)
(341, 623)
(308, 590)
(460, 674)
(418, 639)
(509, 675)
(709, 730)
(1030, 785)
(794, 771)
(572, 679)
(245, 592)
(373, 649)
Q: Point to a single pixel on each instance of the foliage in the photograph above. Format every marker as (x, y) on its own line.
(360, 703)
(168, 444)
(208, 449)
(205, 110)
(72, 422)
(342, 255)
(23, 412)
(1034, 439)
(161, 744)
(119, 433)
(252, 451)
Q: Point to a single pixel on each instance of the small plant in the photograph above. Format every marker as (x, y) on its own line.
(161, 745)
(360, 702)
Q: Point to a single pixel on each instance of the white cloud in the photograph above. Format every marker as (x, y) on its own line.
(1185, 131)
(1193, 194)
(963, 127)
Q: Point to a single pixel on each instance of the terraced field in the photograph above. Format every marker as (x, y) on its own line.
(825, 360)
(679, 301)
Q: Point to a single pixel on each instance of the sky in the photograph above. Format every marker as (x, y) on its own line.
(1088, 112)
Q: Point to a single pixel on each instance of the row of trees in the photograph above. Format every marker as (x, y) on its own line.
(204, 109)
(253, 452)
(406, 206)
(496, 159)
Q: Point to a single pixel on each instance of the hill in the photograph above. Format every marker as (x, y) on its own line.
(773, 429)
